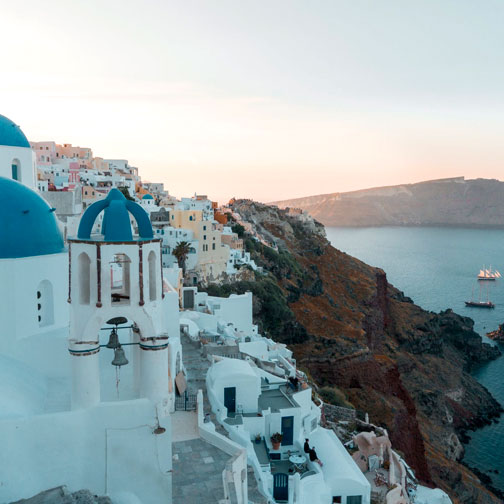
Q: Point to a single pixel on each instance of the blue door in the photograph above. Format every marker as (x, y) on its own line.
(287, 430)
(281, 487)
(230, 399)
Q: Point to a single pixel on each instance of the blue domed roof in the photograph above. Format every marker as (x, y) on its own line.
(147, 196)
(11, 134)
(28, 226)
(116, 220)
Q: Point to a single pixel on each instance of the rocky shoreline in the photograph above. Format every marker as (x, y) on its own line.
(486, 480)
(498, 334)
(353, 332)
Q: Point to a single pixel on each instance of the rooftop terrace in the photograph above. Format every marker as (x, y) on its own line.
(276, 399)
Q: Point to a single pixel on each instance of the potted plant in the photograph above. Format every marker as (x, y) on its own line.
(276, 439)
(258, 438)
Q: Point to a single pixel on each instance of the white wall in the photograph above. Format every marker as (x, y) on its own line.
(227, 373)
(106, 449)
(236, 309)
(21, 279)
(26, 158)
(258, 349)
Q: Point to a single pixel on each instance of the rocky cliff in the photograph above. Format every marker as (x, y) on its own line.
(453, 202)
(353, 331)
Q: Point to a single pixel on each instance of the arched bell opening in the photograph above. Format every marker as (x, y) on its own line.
(84, 278)
(152, 260)
(120, 279)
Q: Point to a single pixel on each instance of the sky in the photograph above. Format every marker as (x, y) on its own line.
(263, 99)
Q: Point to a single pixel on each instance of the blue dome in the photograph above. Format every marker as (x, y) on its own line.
(116, 220)
(28, 226)
(11, 134)
(147, 196)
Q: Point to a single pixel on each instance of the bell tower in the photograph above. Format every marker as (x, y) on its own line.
(113, 276)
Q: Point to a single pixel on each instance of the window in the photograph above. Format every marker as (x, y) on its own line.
(45, 306)
(16, 170)
(213, 246)
(204, 228)
(354, 499)
(336, 500)
(204, 237)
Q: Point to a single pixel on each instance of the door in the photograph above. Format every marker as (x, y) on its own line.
(230, 399)
(189, 299)
(281, 487)
(287, 430)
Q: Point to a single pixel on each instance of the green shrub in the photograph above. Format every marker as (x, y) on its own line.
(335, 396)
(238, 229)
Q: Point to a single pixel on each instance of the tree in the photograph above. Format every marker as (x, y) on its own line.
(238, 229)
(181, 251)
(126, 193)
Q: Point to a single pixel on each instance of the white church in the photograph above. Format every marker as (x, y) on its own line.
(89, 344)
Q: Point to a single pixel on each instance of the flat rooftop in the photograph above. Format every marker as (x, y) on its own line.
(276, 400)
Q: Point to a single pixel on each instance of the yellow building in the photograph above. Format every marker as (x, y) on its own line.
(213, 255)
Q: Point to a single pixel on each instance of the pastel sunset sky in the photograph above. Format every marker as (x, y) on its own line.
(267, 99)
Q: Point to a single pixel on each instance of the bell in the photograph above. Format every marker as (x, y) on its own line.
(119, 357)
(113, 341)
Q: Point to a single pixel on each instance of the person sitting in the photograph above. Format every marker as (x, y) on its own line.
(306, 446)
(294, 383)
(314, 457)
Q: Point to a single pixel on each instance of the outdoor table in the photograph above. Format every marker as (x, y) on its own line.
(297, 460)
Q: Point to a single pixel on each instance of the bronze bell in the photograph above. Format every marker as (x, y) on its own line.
(113, 341)
(119, 357)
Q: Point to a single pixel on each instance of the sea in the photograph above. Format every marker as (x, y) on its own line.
(437, 268)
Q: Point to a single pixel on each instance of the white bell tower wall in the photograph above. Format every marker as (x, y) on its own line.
(117, 279)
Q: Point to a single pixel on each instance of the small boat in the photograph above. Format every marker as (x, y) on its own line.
(488, 274)
(480, 303)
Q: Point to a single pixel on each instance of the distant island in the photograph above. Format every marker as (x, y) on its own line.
(443, 202)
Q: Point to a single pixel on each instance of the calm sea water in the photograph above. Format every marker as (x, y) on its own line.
(437, 268)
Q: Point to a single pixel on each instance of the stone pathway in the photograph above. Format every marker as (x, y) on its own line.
(197, 472)
(197, 366)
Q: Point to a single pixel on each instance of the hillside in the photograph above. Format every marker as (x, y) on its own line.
(446, 202)
(353, 332)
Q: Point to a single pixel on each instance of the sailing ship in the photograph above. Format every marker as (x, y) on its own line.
(488, 274)
(480, 303)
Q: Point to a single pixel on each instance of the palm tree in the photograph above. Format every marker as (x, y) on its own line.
(180, 251)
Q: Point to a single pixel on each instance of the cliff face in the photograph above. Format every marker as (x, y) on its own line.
(408, 368)
(455, 202)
